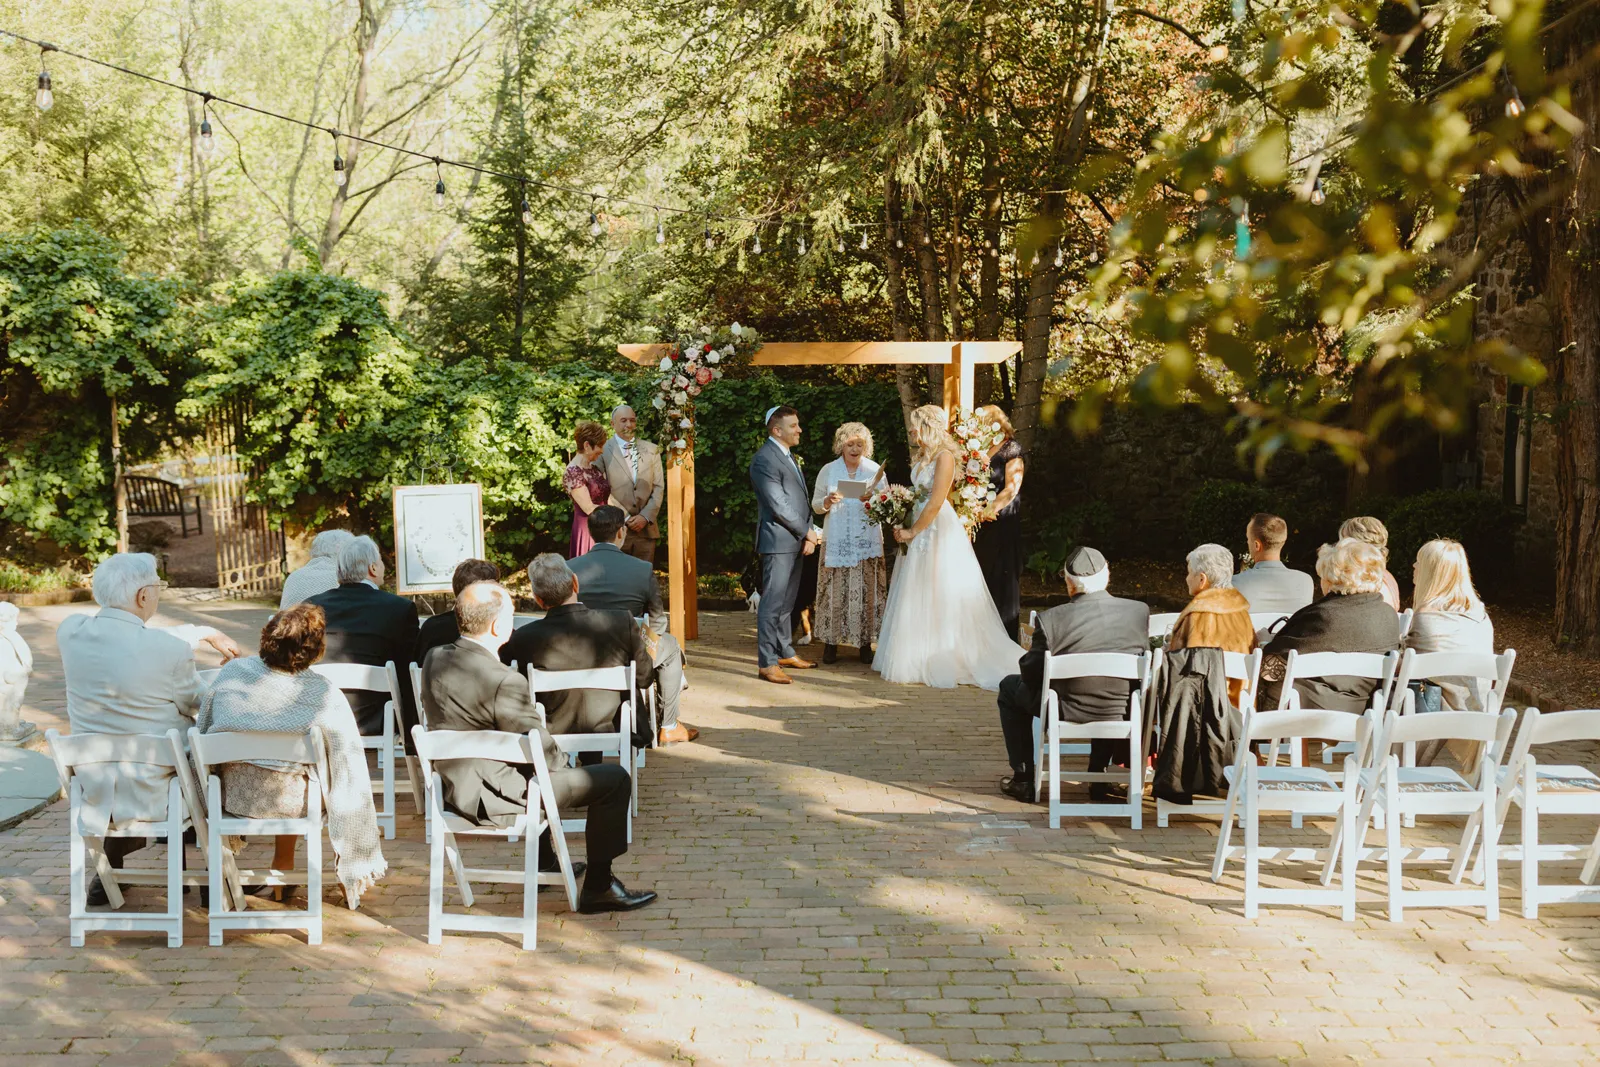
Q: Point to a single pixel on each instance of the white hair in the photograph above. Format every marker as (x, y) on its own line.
(1213, 561)
(118, 579)
(1097, 582)
(621, 407)
(329, 542)
(357, 558)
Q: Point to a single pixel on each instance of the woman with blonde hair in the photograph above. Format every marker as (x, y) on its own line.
(851, 580)
(1449, 616)
(1352, 616)
(999, 540)
(940, 627)
(1372, 530)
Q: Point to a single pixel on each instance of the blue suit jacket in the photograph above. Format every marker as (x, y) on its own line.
(784, 505)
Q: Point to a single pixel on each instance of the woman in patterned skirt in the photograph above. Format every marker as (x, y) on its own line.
(851, 580)
(586, 483)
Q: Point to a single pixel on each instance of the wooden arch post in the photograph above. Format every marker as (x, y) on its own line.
(958, 358)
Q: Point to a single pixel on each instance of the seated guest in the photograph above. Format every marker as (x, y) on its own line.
(466, 687)
(574, 637)
(613, 580)
(321, 571)
(1218, 615)
(277, 692)
(441, 629)
(1352, 616)
(1449, 617)
(1269, 585)
(370, 626)
(126, 677)
(1092, 620)
(1375, 533)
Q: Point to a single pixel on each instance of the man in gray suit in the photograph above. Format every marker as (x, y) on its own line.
(609, 579)
(783, 534)
(633, 467)
(1268, 584)
(1091, 621)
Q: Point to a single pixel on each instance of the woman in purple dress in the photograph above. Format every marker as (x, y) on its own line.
(585, 482)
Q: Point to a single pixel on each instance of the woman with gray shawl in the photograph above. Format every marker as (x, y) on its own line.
(277, 692)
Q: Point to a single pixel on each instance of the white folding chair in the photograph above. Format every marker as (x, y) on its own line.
(86, 845)
(541, 814)
(1411, 791)
(390, 744)
(1405, 622)
(617, 742)
(1054, 737)
(1254, 789)
(1161, 625)
(226, 878)
(1240, 667)
(1548, 789)
(1492, 673)
(1298, 666)
(1263, 620)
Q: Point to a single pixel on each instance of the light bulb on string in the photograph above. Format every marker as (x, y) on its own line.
(756, 251)
(710, 242)
(899, 242)
(438, 184)
(802, 244)
(863, 240)
(838, 245)
(594, 218)
(1514, 106)
(1318, 197)
(339, 175)
(1059, 255)
(527, 209)
(661, 233)
(45, 98)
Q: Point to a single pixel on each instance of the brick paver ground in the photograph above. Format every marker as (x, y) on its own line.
(840, 884)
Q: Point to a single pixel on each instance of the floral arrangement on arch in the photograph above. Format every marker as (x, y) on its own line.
(970, 491)
(697, 359)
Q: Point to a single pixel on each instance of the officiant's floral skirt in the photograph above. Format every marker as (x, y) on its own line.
(850, 603)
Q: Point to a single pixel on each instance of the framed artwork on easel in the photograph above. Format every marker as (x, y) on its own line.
(435, 528)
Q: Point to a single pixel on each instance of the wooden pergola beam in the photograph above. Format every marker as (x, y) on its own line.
(958, 358)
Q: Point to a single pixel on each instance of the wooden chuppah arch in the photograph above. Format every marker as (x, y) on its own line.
(958, 358)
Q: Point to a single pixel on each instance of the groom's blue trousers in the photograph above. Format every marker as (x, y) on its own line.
(780, 587)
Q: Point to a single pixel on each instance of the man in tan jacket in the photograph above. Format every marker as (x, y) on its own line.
(633, 466)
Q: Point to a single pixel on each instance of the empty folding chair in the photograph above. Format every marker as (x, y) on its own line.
(618, 742)
(1238, 666)
(390, 744)
(1055, 737)
(541, 814)
(1254, 790)
(1548, 789)
(86, 843)
(226, 878)
(1393, 789)
(1488, 674)
(1161, 625)
(1380, 670)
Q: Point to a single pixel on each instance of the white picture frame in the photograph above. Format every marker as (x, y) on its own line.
(435, 528)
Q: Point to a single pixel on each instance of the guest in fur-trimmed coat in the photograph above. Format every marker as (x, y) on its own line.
(1218, 616)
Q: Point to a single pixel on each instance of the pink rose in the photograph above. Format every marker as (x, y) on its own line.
(692, 389)
(703, 375)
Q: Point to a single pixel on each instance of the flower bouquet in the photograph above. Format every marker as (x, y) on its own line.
(693, 362)
(970, 491)
(891, 505)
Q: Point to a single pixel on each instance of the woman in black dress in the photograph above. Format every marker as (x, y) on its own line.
(999, 540)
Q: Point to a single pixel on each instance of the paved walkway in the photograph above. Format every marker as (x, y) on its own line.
(840, 884)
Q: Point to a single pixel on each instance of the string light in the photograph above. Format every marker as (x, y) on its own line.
(802, 244)
(527, 209)
(863, 240)
(756, 251)
(710, 242)
(838, 246)
(44, 98)
(1317, 195)
(1060, 255)
(661, 233)
(438, 185)
(594, 218)
(339, 175)
(1514, 106)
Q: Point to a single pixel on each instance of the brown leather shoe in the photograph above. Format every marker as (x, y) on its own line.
(678, 733)
(795, 663)
(774, 674)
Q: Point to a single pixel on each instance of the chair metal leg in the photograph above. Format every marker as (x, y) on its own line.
(1530, 850)
(530, 892)
(1391, 830)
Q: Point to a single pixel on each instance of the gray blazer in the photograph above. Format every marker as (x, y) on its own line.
(642, 497)
(1089, 622)
(1271, 586)
(610, 578)
(784, 504)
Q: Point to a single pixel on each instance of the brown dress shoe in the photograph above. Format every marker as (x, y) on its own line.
(795, 663)
(774, 674)
(678, 733)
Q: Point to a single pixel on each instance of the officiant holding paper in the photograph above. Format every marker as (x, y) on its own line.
(851, 579)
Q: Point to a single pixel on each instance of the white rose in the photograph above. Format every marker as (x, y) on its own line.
(666, 362)
(714, 357)
(736, 330)
(715, 373)
(727, 350)
(680, 397)
(659, 402)
(680, 443)
(680, 381)
(684, 424)
(974, 467)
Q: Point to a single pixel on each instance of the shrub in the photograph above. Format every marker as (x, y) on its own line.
(1484, 524)
(1088, 523)
(1218, 511)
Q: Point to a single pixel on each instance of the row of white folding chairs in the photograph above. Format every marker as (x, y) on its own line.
(185, 810)
(1161, 623)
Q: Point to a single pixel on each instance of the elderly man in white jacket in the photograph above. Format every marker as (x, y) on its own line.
(124, 677)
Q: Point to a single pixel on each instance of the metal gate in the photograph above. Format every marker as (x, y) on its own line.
(250, 553)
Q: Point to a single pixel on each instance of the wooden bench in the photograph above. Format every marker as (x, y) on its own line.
(157, 497)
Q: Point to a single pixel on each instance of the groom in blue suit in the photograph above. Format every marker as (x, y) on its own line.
(783, 534)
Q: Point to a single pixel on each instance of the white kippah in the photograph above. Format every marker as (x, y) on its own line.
(770, 410)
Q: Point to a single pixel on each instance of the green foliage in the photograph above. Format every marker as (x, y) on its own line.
(1218, 511)
(1484, 524)
(18, 579)
(75, 330)
(1062, 530)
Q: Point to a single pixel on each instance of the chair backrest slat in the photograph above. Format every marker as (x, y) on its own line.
(1161, 625)
(1444, 725)
(1554, 726)
(72, 750)
(1373, 665)
(612, 678)
(1328, 725)
(472, 744)
(1123, 665)
(360, 676)
(1262, 620)
(236, 746)
(1242, 666)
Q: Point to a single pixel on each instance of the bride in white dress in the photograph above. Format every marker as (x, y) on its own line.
(940, 627)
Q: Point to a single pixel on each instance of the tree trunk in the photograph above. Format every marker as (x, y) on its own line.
(1041, 303)
(366, 42)
(899, 305)
(1575, 296)
(928, 273)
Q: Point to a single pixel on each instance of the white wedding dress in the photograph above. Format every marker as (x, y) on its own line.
(940, 627)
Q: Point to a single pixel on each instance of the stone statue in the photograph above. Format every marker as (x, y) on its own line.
(16, 663)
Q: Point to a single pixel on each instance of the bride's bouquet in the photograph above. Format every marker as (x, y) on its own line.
(891, 504)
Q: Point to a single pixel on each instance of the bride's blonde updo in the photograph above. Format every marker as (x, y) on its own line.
(931, 425)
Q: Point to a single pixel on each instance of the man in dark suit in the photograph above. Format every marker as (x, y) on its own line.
(783, 535)
(441, 629)
(611, 580)
(466, 687)
(368, 625)
(574, 637)
(1091, 621)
